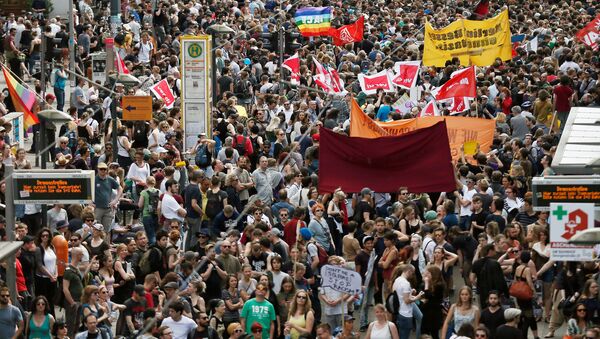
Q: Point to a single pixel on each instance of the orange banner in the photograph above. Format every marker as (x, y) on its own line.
(460, 129)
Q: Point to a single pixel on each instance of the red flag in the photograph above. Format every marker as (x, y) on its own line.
(419, 160)
(348, 33)
(371, 83)
(292, 64)
(461, 84)
(430, 110)
(406, 73)
(328, 79)
(482, 9)
(121, 68)
(458, 105)
(163, 91)
(590, 34)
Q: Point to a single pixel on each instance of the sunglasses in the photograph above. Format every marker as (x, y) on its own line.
(301, 297)
(582, 310)
(261, 289)
(258, 330)
(237, 331)
(225, 246)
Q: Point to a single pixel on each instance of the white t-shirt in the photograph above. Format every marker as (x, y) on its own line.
(467, 195)
(170, 207)
(182, 328)
(277, 280)
(402, 287)
(140, 173)
(335, 295)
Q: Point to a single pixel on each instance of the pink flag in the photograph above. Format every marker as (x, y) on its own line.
(293, 65)
(328, 79)
(163, 91)
(430, 110)
(369, 84)
(121, 69)
(406, 73)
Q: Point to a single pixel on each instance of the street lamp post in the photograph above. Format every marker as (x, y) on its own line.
(215, 31)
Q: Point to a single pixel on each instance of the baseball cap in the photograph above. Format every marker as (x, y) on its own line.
(430, 215)
(61, 224)
(139, 289)
(511, 313)
(306, 233)
(277, 232)
(366, 191)
(171, 284)
(316, 137)
(102, 165)
(348, 318)
(98, 227)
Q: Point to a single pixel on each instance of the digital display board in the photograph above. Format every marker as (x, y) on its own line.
(567, 190)
(53, 187)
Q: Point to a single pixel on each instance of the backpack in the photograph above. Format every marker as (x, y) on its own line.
(255, 145)
(145, 265)
(240, 146)
(241, 89)
(153, 199)
(392, 305)
(214, 205)
(203, 156)
(322, 253)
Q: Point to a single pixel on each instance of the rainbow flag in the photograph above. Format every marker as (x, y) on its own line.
(23, 99)
(313, 21)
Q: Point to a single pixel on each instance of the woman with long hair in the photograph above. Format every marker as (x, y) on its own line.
(216, 316)
(462, 312)
(411, 223)
(589, 297)
(59, 330)
(248, 284)
(578, 324)
(123, 146)
(540, 254)
(388, 262)
(523, 273)
(110, 307)
(381, 328)
(301, 317)
(434, 288)
(336, 218)
(107, 273)
(47, 269)
(90, 305)
(40, 322)
(444, 260)
(97, 246)
(417, 259)
(285, 297)
(233, 300)
(196, 300)
(123, 275)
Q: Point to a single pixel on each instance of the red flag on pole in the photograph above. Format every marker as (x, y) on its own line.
(481, 10)
(371, 83)
(461, 84)
(407, 73)
(292, 64)
(430, 110)
(163, 91)
(328, 79)
(348, 33)
(121, 68)
(590, 34)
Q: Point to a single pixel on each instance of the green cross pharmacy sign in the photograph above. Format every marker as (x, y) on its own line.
(566, 220)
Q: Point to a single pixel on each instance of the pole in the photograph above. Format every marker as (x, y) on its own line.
(115, 6)
(281, 51)
(71, 40)
(11, 274)
(213, 60)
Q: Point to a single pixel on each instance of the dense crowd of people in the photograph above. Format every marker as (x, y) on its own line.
(226, 238)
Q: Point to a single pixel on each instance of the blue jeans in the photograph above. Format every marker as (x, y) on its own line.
(364, 308)
(150, 226)
(60, 98)
(418, 316)
(404, 325)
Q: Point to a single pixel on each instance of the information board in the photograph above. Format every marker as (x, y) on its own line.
(341, 279)
(99, 67)
(53, 187)
(565, 189)
(196, 92)
(568, 219)
(137, 107)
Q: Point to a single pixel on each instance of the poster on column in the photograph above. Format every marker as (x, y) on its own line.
(196, 86)
(566, 220)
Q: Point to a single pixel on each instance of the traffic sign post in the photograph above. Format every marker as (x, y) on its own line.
(137, 107)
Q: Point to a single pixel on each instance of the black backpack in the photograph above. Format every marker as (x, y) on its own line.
(203, 156)
(392, 305)
(241, 89)
(153, 199)
(240, 146)
(214, 204)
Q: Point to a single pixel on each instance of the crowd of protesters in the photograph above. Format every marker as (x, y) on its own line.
(226, 238)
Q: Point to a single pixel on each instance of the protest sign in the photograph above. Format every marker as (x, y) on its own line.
(472, 42)
(341, 279)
